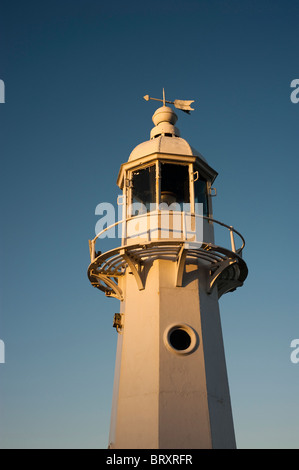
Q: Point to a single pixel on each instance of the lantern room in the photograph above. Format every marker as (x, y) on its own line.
(165, 174)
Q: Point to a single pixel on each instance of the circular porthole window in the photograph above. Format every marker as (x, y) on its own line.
(180, 339)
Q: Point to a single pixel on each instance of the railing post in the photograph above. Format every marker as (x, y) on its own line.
(184, 226)
(91, 250)
(124, 231)
(232, 239)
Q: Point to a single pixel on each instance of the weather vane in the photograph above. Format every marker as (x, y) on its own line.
(183, 105)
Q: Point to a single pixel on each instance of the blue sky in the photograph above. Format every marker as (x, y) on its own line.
(75, 73)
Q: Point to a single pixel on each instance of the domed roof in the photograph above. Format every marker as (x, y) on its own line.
(165, 138)
(164, 144)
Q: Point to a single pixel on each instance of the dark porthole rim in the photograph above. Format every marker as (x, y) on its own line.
(189, 336)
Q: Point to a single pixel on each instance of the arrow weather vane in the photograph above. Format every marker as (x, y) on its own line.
(183, 105)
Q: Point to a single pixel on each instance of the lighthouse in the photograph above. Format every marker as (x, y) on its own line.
(168, 272)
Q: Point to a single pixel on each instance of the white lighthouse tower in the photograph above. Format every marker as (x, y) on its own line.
(170, 388)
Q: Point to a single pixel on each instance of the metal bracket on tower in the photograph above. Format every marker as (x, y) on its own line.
(114, 291)
(181, 266)
(220, 268)
(132, 263)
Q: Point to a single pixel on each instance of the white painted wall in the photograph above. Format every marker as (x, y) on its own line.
(167, 400)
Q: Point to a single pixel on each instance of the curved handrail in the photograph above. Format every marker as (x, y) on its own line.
(210, 219)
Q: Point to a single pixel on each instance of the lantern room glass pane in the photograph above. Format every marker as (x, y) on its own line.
(144, 188)
(200, 194)
(175, 184)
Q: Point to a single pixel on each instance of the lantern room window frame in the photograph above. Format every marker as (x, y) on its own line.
(194, 173)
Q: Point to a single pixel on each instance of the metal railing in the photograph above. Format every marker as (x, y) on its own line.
(232, 231)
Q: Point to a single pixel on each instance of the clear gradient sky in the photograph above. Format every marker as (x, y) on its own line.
(75, 72)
